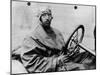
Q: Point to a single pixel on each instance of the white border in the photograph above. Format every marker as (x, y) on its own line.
(5, 36)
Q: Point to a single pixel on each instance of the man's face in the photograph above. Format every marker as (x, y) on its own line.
(46, 19)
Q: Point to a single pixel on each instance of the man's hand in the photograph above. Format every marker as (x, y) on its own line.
(62, 58)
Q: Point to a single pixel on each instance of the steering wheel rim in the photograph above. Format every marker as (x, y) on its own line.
(72, 40)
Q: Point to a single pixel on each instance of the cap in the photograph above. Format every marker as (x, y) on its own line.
(43, 10)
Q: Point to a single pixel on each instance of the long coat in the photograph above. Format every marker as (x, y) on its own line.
(37, 58)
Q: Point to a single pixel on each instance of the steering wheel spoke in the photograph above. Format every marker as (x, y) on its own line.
(75, 38)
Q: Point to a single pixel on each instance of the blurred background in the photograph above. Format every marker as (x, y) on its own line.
(66, 17)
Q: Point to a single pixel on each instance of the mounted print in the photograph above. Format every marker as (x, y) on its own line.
(52, 37)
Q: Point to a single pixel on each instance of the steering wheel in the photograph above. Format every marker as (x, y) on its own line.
(73, 41)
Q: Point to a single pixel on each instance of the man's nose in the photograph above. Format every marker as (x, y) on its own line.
(47, 17)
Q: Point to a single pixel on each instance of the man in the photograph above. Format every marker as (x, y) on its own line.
(42, 49)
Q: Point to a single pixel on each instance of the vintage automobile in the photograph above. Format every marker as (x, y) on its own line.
(72, 49)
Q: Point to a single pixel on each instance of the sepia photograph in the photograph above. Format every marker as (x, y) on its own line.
(52, 37)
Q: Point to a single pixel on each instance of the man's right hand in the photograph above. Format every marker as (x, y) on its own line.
(62, 58)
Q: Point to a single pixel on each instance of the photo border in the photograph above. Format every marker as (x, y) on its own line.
(47, 3)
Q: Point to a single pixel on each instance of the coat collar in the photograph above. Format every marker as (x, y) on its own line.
(39, 30)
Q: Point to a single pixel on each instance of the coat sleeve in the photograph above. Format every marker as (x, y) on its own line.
(34, 60)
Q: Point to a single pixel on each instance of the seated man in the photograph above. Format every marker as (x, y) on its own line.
(39, 58)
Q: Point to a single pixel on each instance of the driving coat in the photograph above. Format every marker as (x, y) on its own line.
(35, 57)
